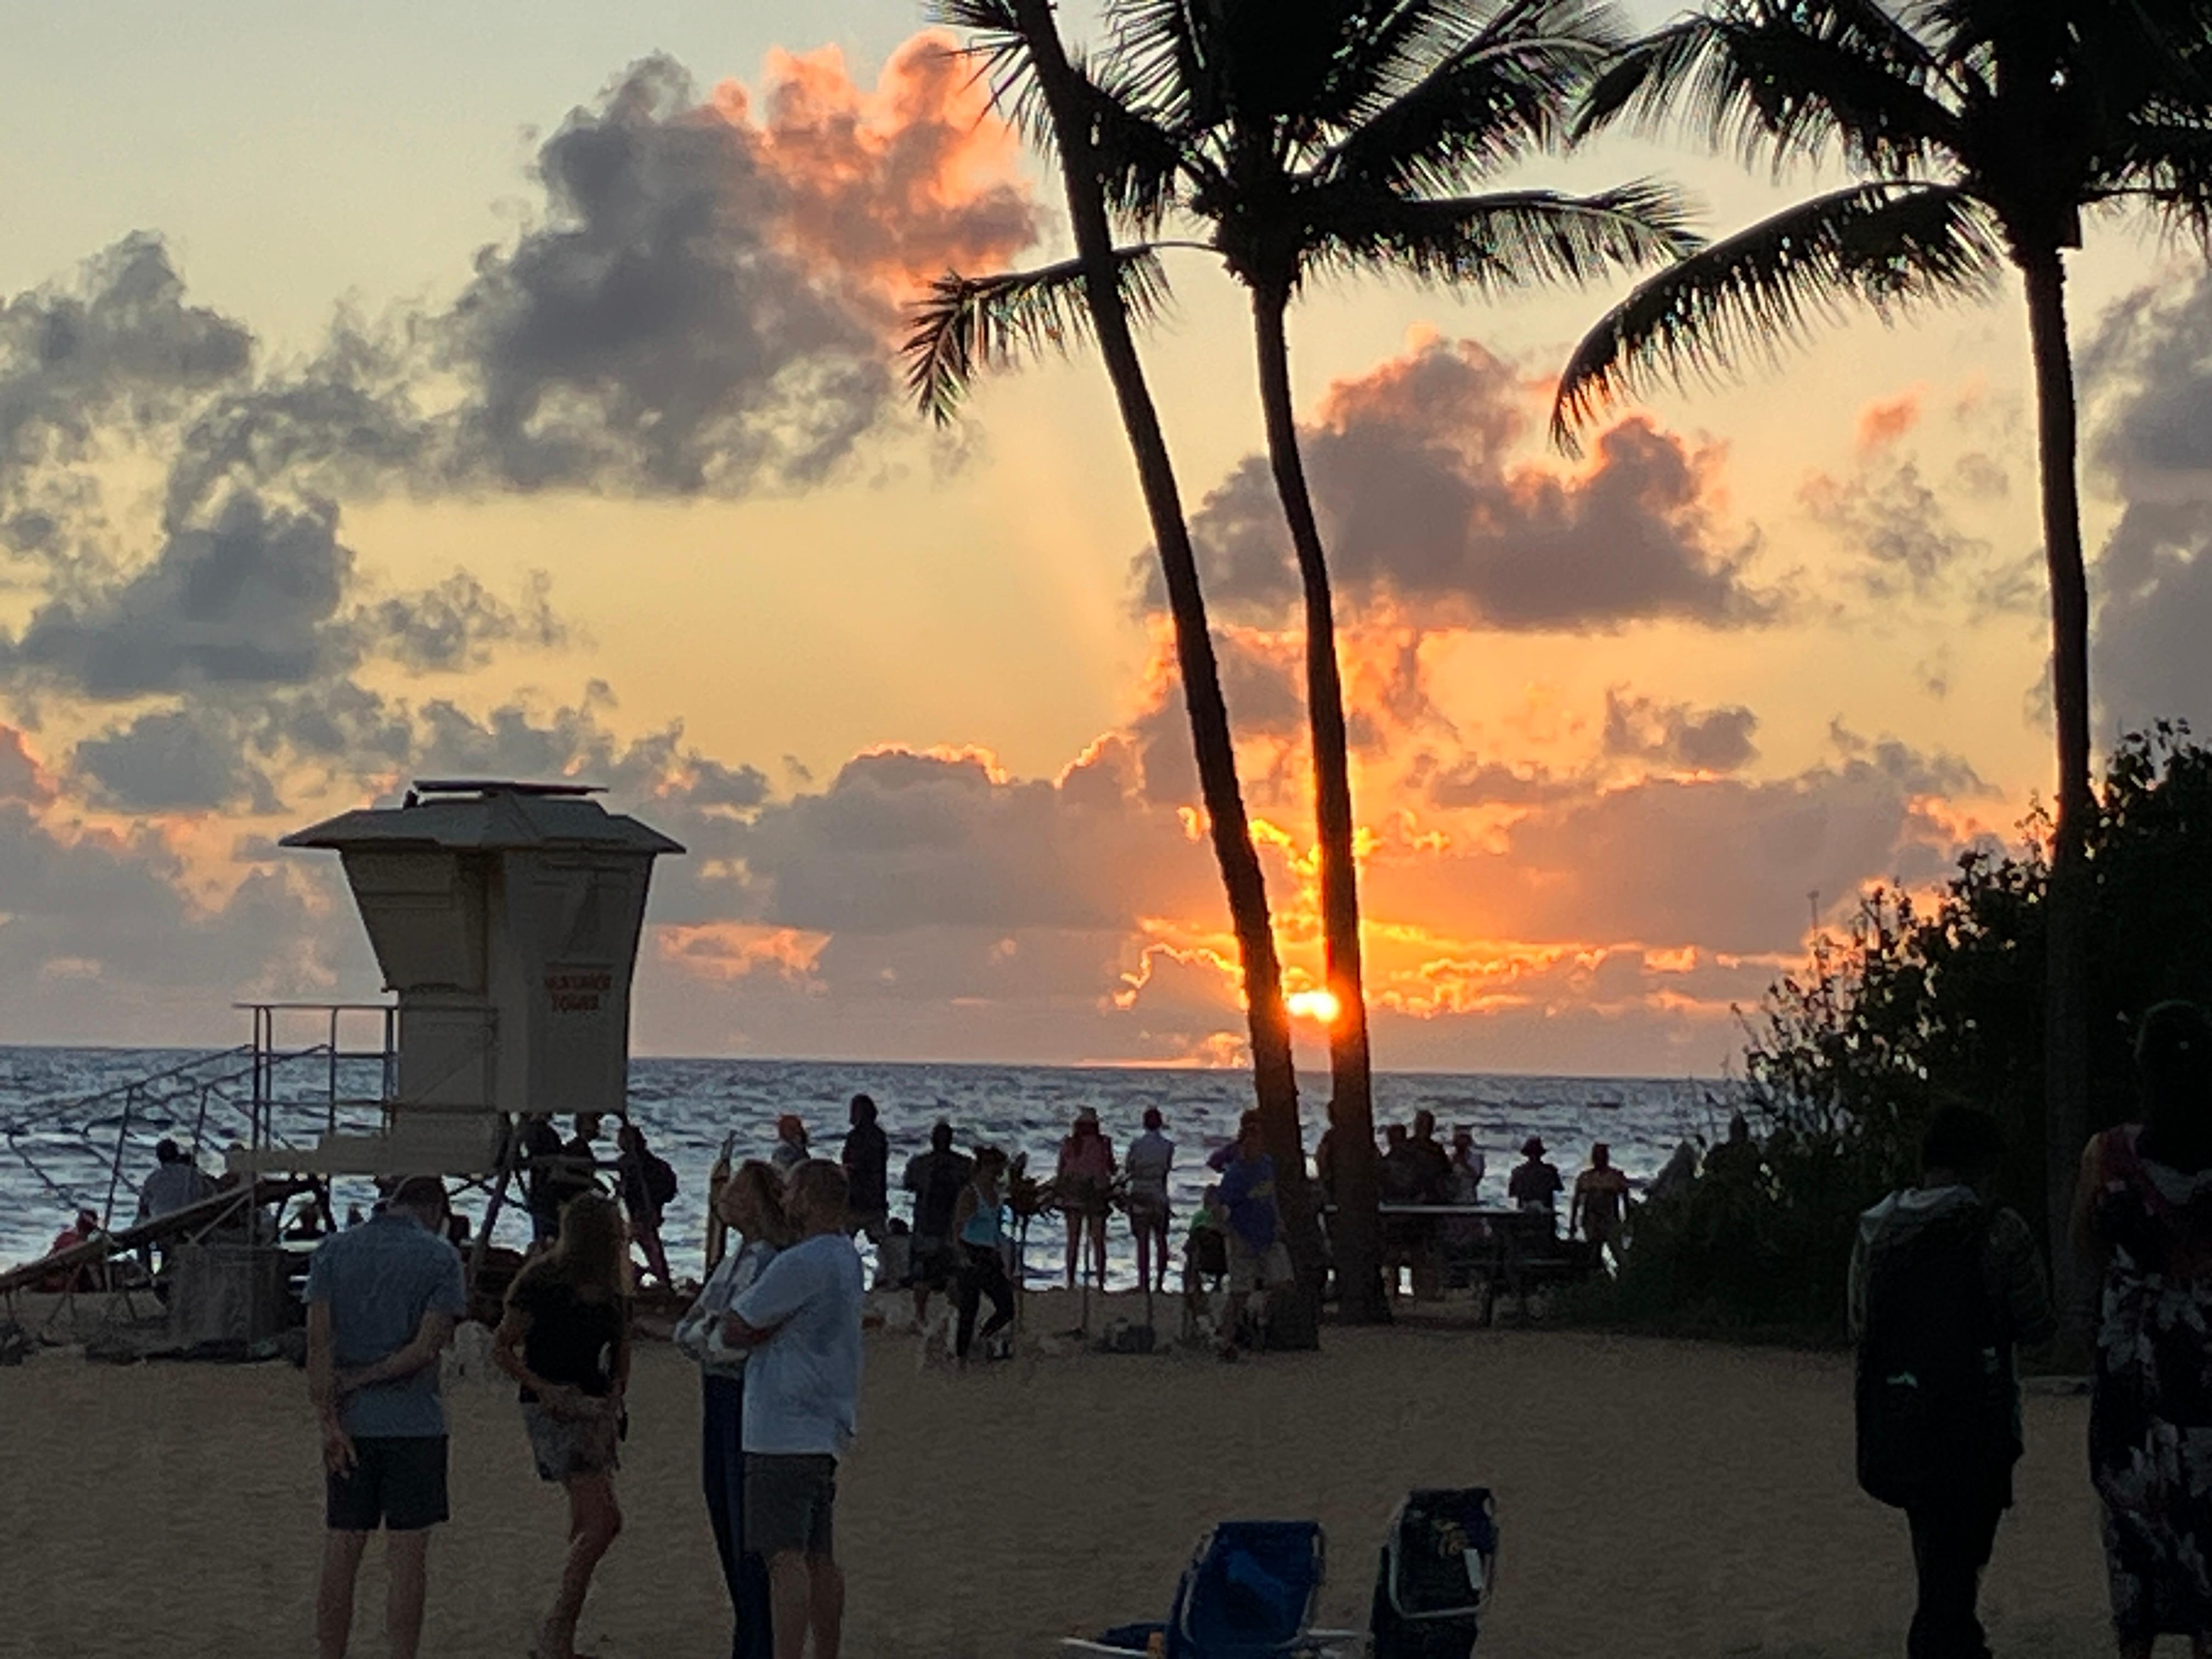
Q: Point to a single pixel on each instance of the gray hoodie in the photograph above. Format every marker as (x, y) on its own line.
(2014, 1271)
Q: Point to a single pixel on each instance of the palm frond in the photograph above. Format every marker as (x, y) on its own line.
(969, 325)
(1002, 52)
(1496, 100)
(1787, 80)
(1392, 45)
(1887, 245)
(1156, 48)
(1141, 162)
(1509, 239)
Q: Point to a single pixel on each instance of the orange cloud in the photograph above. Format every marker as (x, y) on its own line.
(1883, 423)
(730, 950)
(893, 186)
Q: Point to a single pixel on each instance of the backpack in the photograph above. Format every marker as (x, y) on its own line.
(1934, 1410)
(660, 1180)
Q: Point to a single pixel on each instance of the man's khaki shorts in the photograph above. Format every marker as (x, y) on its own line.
(1252, 1270)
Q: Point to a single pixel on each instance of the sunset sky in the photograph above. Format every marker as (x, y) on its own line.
(415, 389)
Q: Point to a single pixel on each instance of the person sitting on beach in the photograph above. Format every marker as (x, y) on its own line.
(1084, 1180)
(791, 1144)
(1258, 1259)
(867, 1170)
(979, 1223)
(1151, 1156)
(751, 1205)
(1534, 1185)
(801, 1318)
(1943, 1286)
(83, 1276)
(1599, 1205)
(177, 1183)
(648, 1184)
(935, 1178)
(565, 1340)
(382, 1298)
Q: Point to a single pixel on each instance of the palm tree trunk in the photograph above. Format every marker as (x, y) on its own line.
(2066, 969)
(1274, 1077)
(1357, 1233)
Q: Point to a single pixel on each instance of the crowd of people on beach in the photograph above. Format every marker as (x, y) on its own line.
(1946, 1288)
(774, 1329)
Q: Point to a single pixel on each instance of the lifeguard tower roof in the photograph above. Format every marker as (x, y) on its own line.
(486, 816)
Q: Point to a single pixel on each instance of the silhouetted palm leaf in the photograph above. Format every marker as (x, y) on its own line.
(1509, 238)
(970, 324)
(1887, 245)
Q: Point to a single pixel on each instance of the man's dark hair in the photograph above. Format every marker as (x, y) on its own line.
(818, 1178)
(1962, 1140)
(2173, 1055)
(940, 1137)
(423, 1195)
(1152, 1118)
(165, 1152)
(863, 1108)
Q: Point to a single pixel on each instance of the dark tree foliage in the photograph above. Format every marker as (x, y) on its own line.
(1920, 1004)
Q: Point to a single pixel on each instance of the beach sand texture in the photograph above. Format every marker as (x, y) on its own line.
(1658, 1498)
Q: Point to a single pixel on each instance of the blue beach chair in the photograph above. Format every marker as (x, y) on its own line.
(1249, 1593)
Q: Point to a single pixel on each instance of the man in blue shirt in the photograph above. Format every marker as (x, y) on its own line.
(1258, 1260)
(382, 1298)
(802, 1319)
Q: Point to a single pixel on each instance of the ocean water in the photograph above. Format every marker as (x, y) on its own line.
(64, 1114)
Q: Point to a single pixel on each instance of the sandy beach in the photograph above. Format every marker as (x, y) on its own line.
(1658, 1498)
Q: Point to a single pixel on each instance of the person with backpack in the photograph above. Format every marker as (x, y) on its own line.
(648, 1183)
(1944, 1286)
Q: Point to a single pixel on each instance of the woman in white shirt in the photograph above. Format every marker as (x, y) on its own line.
(751, 1203)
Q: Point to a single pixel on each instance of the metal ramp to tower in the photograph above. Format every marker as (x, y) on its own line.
(252, 1117)
(506, 919)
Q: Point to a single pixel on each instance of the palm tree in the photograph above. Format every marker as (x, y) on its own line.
(1980, 130)
(1329, 135)
(970, 322)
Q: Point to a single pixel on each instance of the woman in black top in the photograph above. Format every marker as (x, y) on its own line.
(565, 1340)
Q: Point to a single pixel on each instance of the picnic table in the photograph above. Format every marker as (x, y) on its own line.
(1511, 1251)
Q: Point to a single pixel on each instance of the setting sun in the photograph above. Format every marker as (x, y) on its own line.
(1319, 1007)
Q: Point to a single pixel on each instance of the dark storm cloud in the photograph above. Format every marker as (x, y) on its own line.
(116, 344)
(900, 840)
(258, 597)
(2149, 369)
(654, 335)
(1676, 735)
(1428, 512)
(173, 760)
(251, 598)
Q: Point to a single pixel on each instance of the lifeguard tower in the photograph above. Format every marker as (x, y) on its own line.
(506, 918)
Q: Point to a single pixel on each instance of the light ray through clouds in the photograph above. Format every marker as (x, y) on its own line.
(1596, 787)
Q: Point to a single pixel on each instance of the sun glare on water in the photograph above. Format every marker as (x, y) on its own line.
(1319, 1007)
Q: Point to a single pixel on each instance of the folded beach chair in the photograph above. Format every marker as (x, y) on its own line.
(1439, 1565)
(1249, 1593)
